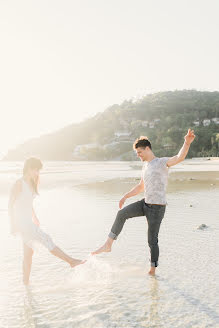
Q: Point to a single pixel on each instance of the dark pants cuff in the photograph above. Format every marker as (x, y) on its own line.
(112, 235)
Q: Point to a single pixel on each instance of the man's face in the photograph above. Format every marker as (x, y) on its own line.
(142, 153)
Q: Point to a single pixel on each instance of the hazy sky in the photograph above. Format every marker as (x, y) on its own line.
(62, 61)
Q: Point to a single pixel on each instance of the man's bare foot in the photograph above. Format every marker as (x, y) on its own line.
(76, 262)
(152, 271)
(105, 248)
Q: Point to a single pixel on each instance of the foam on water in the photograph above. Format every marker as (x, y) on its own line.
(94, 271)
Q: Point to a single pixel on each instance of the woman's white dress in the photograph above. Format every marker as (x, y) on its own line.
(22, 211)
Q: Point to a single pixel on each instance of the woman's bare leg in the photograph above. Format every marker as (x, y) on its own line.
(27, 262)
(63, 256)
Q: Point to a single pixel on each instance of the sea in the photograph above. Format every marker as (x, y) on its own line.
(76, 206)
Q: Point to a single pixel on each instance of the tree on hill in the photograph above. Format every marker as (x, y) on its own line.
(169, 115)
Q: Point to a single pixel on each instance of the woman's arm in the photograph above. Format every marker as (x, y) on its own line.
(34, 217)
(15, 190)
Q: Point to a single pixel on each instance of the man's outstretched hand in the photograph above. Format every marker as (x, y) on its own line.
(189, 137)
(121, 202)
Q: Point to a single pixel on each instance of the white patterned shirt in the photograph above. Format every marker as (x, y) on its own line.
(155, 176)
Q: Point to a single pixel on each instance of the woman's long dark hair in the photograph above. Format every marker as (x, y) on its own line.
(33, 163)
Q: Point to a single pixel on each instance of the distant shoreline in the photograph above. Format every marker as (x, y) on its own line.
(193, 174)
(207, 159)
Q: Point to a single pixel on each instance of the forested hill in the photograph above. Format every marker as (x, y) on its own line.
(164, 117)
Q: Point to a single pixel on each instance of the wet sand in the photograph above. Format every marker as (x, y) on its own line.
(192, 174)
(178, 180)
(77, 206)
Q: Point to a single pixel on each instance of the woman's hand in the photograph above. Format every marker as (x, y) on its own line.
(36, 221)
(34, 218)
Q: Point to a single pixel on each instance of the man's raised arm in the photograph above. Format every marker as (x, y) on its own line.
(189, 137)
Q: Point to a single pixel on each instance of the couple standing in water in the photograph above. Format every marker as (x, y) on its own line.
(153, 182)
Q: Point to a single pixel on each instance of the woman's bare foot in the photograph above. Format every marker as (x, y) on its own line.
(25, 282)
(152, 271)
(76, 262)
(106, 248)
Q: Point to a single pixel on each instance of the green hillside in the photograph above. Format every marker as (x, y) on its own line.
(164, 117)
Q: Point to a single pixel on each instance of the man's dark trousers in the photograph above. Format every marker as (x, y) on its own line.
(154, 215)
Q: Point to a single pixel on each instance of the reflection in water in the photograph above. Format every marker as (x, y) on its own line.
(29, 307)
(153, 306)
(154, 303)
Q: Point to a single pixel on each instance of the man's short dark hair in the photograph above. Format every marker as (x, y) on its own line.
(142, 142)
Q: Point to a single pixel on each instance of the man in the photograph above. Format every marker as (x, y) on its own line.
(153, 183)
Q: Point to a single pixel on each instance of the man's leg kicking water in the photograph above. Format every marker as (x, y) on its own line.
(154, 215)
(132, 210)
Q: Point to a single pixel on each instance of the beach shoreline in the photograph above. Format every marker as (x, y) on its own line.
(191, 173)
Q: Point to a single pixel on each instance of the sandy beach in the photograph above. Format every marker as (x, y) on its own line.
(192, 174)
(77, 206)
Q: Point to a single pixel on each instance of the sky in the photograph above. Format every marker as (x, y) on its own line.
(63, 61)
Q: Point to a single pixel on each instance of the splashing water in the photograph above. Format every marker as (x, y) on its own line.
(93, 271)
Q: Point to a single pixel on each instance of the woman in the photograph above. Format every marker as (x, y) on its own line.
(24, 220)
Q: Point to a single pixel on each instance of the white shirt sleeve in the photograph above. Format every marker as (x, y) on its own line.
(163, 161)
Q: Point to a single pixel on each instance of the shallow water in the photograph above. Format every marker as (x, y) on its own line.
(111, 290)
